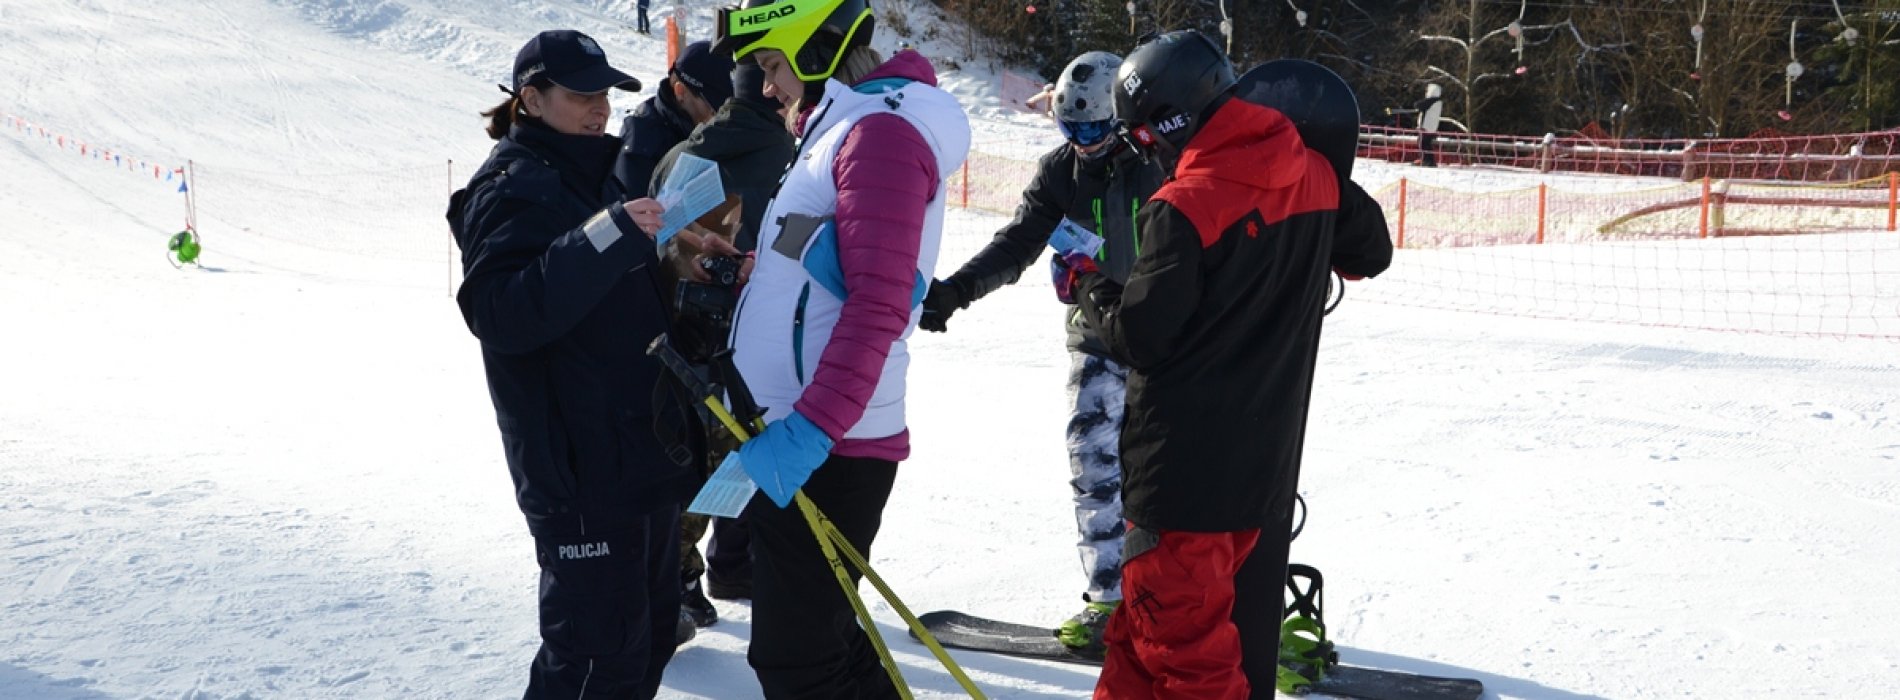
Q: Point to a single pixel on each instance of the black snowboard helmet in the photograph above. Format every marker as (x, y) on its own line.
(1168, 87)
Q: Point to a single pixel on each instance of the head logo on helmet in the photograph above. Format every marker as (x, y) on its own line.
(771, 12)
(814, 35)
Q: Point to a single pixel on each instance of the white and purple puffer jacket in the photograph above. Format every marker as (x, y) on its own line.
(845, 254)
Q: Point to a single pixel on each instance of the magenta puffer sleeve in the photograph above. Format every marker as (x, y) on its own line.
(886, 175)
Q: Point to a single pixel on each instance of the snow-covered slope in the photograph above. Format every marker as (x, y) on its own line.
(278, 476)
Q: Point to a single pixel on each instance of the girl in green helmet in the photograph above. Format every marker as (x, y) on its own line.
(820, 332)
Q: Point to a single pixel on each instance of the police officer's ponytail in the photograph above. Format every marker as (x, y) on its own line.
(503, 116)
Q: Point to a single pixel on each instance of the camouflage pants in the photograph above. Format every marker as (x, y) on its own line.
(1097, 387)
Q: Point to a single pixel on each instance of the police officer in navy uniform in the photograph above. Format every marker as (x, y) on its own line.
(559, 288)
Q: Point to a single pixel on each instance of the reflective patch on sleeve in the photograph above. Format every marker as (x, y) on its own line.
(601, 230)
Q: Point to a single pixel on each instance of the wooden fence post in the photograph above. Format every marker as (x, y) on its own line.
(1893, 199)
(1542, 194)
(1703, 226)
(1401, 242)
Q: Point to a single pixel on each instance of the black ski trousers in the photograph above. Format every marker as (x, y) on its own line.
(1259, 602)
(728, 553)
(806, 642)
(610, 606)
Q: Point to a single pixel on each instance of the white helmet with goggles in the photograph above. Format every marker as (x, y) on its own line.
(1084, 98)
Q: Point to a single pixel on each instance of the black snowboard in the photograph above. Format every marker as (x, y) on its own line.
(1319, 102)
(961, 631)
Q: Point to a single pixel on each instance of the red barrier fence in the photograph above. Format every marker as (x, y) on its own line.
(1827, 158)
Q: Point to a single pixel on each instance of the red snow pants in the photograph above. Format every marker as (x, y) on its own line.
(1173, 636)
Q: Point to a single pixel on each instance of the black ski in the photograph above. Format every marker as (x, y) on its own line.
(962, 631)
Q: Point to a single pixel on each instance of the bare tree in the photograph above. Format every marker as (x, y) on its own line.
(1649, 68)
(1743, 67)
(1479, 26)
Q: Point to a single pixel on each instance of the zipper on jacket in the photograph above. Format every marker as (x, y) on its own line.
(1096, 205)
(798, 334)
(1134, 208)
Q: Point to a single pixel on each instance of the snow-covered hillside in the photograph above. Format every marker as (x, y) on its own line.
(278, 476)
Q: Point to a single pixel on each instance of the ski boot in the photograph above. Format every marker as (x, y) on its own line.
(722, 589)
(693, 602)
(1082, 634)
(685, 630)
(1305, 652)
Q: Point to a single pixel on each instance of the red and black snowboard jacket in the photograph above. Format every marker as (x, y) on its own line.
(1220, 320)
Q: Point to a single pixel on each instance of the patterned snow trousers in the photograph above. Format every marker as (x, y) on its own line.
(1097, 389)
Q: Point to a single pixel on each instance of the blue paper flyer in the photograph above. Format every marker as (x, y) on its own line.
(727, 492)
(691, 189)
(1070, 237)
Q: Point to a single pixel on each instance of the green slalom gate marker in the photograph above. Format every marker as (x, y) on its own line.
(184, 248)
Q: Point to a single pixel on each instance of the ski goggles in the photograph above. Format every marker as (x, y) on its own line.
(1086, 133)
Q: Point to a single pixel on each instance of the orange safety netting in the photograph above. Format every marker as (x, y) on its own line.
(1791, 236)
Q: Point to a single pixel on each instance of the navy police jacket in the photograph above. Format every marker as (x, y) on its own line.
(560, 289)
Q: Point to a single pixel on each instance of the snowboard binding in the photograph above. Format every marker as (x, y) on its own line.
(1305, 652)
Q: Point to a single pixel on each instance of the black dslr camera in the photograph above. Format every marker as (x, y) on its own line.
(711, 304)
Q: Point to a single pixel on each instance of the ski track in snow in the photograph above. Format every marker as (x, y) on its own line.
(278, 475)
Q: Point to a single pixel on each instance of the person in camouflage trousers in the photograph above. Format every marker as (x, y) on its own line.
(1097, 388)
(1096, 182)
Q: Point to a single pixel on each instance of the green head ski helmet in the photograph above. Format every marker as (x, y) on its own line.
(814, 35)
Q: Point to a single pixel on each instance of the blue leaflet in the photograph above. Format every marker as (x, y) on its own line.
(727, 492)
(1070, 237)
(691, 189)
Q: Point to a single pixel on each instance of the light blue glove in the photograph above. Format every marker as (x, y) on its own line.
(782, 457)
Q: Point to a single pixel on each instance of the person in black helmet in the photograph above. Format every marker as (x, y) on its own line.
(559, 288)
(1219, 324)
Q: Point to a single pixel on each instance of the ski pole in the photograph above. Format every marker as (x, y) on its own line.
(830, 540)
(745, 413)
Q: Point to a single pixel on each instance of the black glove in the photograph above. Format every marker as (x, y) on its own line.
(943, 299)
